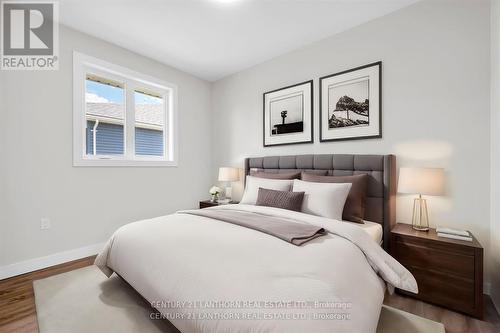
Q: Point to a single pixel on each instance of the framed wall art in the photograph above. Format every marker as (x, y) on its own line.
(288, 115)
(351, 104)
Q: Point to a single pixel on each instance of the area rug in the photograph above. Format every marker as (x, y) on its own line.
(84, 300)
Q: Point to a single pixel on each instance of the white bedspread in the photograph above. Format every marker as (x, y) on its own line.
(329, 284)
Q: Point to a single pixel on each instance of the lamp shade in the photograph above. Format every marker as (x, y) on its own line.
(228, 174)
(428, 181)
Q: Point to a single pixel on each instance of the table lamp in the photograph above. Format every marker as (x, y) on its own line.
(228, 175)
(421, 181)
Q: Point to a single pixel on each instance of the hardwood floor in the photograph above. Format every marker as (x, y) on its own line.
(454, 322)
(18, 313)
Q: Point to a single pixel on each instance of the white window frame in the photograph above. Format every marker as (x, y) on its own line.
(132, 80)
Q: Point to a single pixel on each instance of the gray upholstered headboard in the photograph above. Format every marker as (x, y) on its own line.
(381, 195)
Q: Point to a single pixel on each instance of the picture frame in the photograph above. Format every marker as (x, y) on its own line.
(350, 104)
(288, 115)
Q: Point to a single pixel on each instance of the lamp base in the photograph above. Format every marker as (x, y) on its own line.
(420, 217)
(228, 192)
(420, 228)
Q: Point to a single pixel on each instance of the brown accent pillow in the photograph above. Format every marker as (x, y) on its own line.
(354, 209)
(280, 199)
(316, 172)
(283, 175)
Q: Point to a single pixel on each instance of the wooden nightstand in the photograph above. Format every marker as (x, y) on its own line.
(449, 272)
(208, 203)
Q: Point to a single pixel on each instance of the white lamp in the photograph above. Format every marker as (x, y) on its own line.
(426, 181)
(228, 175)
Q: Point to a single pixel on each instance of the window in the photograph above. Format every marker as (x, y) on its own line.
(104, 116)
(149, 124)
(121, 117)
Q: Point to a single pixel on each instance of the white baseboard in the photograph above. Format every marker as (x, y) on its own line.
(50, 260)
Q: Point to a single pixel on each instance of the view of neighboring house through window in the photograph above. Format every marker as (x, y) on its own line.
(149, 123)
(122, 117)
(105, 116)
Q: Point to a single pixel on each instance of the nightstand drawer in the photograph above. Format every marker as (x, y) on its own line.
(432, 256)
(444, 289)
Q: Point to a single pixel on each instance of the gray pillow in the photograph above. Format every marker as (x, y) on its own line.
(280, 199)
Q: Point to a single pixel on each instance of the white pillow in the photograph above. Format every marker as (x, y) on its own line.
(253, 184)
(323, 199)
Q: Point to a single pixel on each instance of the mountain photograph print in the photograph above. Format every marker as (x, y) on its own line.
(288, 115)
(350, 104)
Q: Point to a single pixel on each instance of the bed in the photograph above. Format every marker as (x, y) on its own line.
(206, 275)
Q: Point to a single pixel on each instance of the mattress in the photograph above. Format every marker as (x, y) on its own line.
(372, 228)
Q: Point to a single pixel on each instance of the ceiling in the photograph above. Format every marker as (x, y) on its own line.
(215, 38)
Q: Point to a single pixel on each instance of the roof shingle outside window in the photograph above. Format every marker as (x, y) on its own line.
(146, 114)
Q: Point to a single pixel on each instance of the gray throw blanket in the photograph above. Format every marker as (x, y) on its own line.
(296, 233)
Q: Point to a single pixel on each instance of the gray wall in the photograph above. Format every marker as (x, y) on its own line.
(86, 205)
(436, 102)
(495, 152)
(3, 193)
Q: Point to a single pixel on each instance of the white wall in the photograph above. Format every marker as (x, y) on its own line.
(86, 205)
(495, 152)
(436, 102)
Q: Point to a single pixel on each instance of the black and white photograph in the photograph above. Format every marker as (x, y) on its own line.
(288, 115)
(350, 104)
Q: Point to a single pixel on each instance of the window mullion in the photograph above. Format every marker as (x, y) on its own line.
(130, 121)
(167, 148)
(172, 125)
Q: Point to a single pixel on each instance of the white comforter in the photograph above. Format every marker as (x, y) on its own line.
(206, 275)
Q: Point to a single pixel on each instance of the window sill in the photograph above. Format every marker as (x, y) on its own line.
(87, 162)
